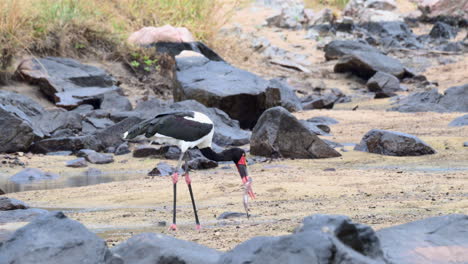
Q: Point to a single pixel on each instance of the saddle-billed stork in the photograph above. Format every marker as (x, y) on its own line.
(189, 129)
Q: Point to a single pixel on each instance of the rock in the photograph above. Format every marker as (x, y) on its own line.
(202, 163)
(323, 120)
(454, 12)
(23, 215)
(339, 48)
(241, 94)
(325, 101)
(442, 30)
(162, 169)
(323, 130)
(96, 158)
(455, 99)
(291, 17)
(17, 130)
(465, 144)
(289, 64)
(440, 239)
(280, 134)
(145, 151)
(122, 149)
(99, 123)
(53, 121)
(393, 34)
(372, 11)
(2, 192)
(331, 240)
(59, 153)
(289, 99)
(152, 248)
(67, 82)
(24, 103)
(324, 17)
(53, 238)
(31, 174)
(176, 48)
(459, 121)
(114, 102)
(77, 163)
(166, 33)
(383, 85)
(74, 143)
(11, 204)
(393, 144)
(366, 64)
(229, 215)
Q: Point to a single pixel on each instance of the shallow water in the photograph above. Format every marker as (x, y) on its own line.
(74, 180)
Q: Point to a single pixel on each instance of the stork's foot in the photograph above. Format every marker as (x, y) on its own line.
(173, 227)
(198, 227)
(187, 178)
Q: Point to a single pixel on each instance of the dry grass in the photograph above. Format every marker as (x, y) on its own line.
(96, 27)
(326, 3)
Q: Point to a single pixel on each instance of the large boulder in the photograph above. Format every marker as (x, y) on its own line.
(366, 64)
(393, 144)
(150, 248)
(339, 48)
(443, 30)
(227, 130)
(279, 134)
(53, 238)
(450, 10)
(67, 82)
(383, 85)
(459, 121)
(27, 105)
(58, 119)
(436, 240)
(72, 143)
(11, 204)
(322, 239)
(454, 99)
(16, 129)
(242, 95)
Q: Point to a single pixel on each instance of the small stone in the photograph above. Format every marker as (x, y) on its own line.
(77, 163)
(122, 149)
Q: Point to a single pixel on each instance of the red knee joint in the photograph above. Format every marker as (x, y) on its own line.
(175, 177)
(187, 178)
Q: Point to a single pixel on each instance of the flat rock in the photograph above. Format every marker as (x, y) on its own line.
(366, 64)
(242, 95)
(323, 120)
(77, 163)
(52, 121)
(459, 121)
(435, 240)
(11, 204)
(122, 149)
(98, 158)
(317, 129)
(67, 82)
(54, 239)
(162, 169)
(279, 134)
(150, 248)
(73, 143)
(31, 175)
(145, 151)
(392, 143)
(229, 215)
(339, 48)
(22, 215)
(114, 102)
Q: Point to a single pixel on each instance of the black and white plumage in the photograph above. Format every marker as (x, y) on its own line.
(190, 129)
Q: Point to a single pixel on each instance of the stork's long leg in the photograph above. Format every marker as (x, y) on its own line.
(189, 185)
(175, 179)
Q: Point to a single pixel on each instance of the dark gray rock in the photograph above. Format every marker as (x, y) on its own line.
(242, 95)
(52, 121)
(97, 158)
(53, 238)
(323, 120)
(77, 163)
(59, 153)
(455, 99)
(112, 136)
(443, 30)
(317, 129)
(465, 144)
(393, 34)
(289, 99)
(150, 248)
(279, 134)
(393, 144)
(383, 85)
(366, 64)
(11, 204)
(324, 101)
(67, 82)
(145, 151)
(27, 105)
(459, 121)
(162, 169)
(339, 48)
(114, 102)
(202, 163)
(74, 143)
(31, 174)
(23, 215)
(99, 123)
(119, 116)
(229, 215)
(16, 129)
(436, 240)
(122, 149)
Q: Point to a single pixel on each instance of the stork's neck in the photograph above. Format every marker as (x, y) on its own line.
(212, 155)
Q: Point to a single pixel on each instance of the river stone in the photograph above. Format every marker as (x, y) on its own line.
(229, 215)
(67, 82)
(366, 64)
(145, 151)
(151, 248)
(54, 239)
(435, 240)
(73, 143)
(383, 85)
(11, 204)
(459, 121)
(242, 95)
(339, 48)
(202, 163)
(279, 134)
(443, 30)
(122, 149)
(114, 102)
(96, 158)
(77, 163)
(31, 174)
(392, 143)
(162, 169)
(323, 120)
